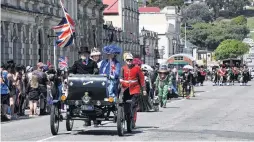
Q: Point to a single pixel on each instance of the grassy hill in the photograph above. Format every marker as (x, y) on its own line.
(250, 21)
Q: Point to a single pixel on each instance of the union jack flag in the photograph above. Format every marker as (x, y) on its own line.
(65, 30)
(63, 62)
(70, 21)
(113, 68)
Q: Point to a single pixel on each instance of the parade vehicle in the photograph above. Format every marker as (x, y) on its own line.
(232, 62)
(179, 61)
(87, 99)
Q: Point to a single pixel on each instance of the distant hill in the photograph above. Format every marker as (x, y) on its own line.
(161, 3)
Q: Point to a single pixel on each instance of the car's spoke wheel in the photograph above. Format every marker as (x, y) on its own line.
(120, 121)
(54, 120)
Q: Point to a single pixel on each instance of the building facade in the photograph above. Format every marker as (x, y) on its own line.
(166, 23)
(149, 46)
(187, 2)
(26, 29)
(124, 15)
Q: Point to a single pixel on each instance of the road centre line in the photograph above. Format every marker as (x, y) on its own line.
(46, 139)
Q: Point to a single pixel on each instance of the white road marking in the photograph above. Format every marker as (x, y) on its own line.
(171, 102)
(46, 139)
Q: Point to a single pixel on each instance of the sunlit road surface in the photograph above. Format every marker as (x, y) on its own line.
(216, 113)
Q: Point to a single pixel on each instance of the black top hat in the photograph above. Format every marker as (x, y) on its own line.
(84, 50)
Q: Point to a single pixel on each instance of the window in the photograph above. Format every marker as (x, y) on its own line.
(178, 58)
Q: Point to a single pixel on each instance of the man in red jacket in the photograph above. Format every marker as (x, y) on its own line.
(132, 83)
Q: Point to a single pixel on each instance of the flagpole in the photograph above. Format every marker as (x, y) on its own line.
(55, 64)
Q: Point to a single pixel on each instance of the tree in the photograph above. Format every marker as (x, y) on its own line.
(231, 6)
(163, 3)
(206, 35)
(240, 20)
(216, 5)
(231, 49)
(198, 34)
(198, 12)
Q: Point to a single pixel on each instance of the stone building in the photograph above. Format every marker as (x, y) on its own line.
(26, 28)
(124, 15)
(112, 35)
(149, 46)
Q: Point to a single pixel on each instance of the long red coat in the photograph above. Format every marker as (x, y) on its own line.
(222, 72)
(136, 78)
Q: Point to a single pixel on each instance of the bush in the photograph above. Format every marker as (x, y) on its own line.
(231, 49)
(239, 20)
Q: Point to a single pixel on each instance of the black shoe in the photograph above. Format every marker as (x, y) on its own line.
(4, 118)
(96, 123)
(21, 114)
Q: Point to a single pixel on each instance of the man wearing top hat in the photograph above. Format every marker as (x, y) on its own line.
(84, 65)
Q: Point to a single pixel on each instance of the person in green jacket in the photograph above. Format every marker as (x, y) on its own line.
(230, 75)
(163, 84)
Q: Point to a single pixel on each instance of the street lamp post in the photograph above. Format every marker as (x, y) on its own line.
(93, 22)
(174, 45)
(143, 34)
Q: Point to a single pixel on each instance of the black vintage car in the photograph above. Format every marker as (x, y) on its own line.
(87, 99)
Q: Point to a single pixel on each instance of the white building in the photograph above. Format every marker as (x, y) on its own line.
(166, 23)
(26, 25)
(124, 15)
(249, 57)
(193, 1)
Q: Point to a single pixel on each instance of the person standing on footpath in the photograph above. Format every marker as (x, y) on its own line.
(12, 77)
(4, 93)
(33, 91)
(42, 80)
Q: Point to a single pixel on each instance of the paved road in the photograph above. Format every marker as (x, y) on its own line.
(216, 113)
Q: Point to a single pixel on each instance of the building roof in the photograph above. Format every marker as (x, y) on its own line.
(149, 9)
(185, 55)
(112, 7)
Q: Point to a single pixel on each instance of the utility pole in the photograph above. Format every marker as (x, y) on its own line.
(185, 37)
